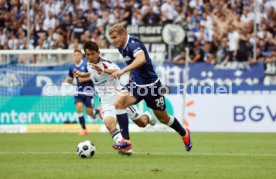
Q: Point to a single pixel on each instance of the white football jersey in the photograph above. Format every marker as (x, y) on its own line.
(106, 86)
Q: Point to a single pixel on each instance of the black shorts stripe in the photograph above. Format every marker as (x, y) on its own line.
(132, 109)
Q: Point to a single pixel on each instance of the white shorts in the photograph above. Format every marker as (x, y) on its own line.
(109, 110)
(132, 112)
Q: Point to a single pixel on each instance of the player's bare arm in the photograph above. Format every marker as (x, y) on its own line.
(68, 79)
(77, 74)
(84, 79)
(138, 62)
(101, 69)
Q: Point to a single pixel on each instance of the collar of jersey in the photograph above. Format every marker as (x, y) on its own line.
(78, 65)
(126, 41)
(99, 59)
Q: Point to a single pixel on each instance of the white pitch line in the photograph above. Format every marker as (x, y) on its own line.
(34, 153)
(145, 153)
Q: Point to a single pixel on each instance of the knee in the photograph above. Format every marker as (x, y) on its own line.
(79, 110)
(89, 112)
(141, 124)
(119, 105)
(164, 119)
(110, 124)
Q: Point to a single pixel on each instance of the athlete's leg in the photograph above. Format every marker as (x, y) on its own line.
(123, 122)
(90, 111)
(124, 99)
(172, 122)
(79, 108)
(109, 117)
(140, 119)
(110, 123)
(156, 101)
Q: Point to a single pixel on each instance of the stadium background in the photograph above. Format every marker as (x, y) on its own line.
(217, 36)
(219, 56)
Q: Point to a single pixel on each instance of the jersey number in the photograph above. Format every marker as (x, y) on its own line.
(159, 102)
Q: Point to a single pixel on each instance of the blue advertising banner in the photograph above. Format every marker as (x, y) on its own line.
(230, 78)
(29, 80)
(208, 74)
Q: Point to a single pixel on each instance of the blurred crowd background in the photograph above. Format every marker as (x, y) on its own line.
(220, 30)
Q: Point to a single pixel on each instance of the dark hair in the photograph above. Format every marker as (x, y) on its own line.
(91, 45)
(77, 50)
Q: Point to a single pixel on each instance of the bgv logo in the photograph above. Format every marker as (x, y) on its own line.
(255, 113)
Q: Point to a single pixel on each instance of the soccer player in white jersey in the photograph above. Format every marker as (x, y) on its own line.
(144, 83)
(99, 69)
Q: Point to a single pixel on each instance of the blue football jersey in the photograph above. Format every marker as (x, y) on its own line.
(82, 67)
(144, 74)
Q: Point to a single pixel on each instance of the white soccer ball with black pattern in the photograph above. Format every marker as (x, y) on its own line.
(86, 149)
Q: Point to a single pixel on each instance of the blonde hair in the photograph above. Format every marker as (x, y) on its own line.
(119, 28)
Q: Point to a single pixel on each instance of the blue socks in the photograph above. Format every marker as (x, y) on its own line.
(82, 121)
(123, 123)
(173, 123)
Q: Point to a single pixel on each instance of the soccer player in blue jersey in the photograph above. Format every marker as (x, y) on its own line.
(83, 85)
(100, 69)
(144, 83)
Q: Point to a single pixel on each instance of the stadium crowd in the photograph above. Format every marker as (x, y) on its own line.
(221, 30)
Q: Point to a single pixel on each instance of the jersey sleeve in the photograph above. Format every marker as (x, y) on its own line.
(111, 65)
(135, 48)
(88, 68)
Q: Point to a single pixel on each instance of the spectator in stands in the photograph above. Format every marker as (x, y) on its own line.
(75, 44)
(41, 44)
(196, 17)
(205, 54)
(223, 52)
(259, 56)
(150, 17)
(237, 23)
(77, 29)
(13, 42)
(180, 58)
(247, 15)
(39, 33)
(49, 21)
(168, 12)
(128, 11)
(244, 48)
(2, 36)
(196, 4)
(25, 45)
(67, 23)
(136, 17)
(233, 42)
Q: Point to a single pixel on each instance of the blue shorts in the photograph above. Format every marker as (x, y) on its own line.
(86, 100)
(152, 94)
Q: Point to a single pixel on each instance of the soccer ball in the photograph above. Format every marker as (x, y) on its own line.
(86, 149)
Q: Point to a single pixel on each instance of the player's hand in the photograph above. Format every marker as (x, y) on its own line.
(117, 73)
(76, 73)
(80, 80)
(97, 67)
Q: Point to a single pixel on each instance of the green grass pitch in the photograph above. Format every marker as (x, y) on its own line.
(157, 155)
